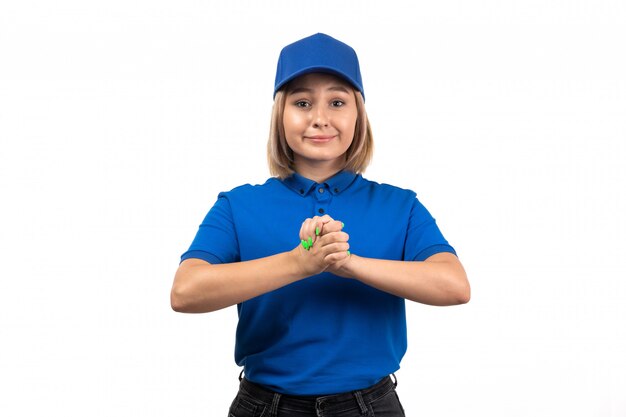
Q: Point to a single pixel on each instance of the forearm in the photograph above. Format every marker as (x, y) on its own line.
(430, 282)
(203, 287)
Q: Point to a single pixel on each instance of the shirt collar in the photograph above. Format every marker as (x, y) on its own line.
(336, 184)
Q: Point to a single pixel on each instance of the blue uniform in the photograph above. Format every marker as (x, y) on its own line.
(324, 334)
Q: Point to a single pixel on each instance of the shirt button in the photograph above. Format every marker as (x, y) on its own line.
(320, 211)
(321, 190)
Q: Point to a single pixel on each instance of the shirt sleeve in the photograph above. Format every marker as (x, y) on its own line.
(216, 240)
(424, 238)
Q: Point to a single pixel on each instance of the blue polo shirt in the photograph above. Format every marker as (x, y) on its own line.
(324, 334)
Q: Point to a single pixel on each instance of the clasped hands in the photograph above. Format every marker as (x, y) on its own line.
(324, 247)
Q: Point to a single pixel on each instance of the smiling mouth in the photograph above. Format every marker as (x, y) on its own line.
(320, 138)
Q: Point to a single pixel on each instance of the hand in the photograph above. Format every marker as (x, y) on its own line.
(343, 259)
(312, 228)
(323, 244)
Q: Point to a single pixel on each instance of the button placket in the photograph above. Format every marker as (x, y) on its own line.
(323, 199)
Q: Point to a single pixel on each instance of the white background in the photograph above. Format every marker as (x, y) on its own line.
(120, 121)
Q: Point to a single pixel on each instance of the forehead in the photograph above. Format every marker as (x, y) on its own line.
(318, 79)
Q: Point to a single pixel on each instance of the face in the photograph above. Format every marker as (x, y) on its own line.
(319, 121)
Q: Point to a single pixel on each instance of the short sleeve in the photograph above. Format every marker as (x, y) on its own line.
(216, 239)
(424, 238)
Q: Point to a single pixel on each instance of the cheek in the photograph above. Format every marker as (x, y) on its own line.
(290, 126)
(348, 126)
(292, 121)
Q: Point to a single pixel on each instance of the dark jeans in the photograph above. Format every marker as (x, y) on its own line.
(379, 400)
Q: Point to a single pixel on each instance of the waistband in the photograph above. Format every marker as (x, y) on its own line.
(314, 403)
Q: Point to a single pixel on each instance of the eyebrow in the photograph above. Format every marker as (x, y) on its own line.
(309, 90)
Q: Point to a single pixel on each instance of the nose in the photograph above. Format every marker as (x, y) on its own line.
(320, 117)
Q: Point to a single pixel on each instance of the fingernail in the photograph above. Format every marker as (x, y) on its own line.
(305, 244)
(317, 231)
(342, 225)
(310, 241)
(348, 253)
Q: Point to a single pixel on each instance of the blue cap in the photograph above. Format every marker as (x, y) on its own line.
(318, 53)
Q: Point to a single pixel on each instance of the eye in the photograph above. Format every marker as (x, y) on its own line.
(303, 104)
(337, 103)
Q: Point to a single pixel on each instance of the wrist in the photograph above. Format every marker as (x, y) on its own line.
(350, 266)
(298, 262)
(346, 268)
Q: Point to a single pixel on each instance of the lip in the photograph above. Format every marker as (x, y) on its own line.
(320, 138)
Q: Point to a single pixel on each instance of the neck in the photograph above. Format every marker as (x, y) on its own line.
(318, 171)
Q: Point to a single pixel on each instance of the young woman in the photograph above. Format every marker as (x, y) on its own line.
(319, 260)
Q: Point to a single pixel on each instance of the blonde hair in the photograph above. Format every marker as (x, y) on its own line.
(280, 155)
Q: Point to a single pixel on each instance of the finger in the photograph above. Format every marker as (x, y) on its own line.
(333, 226)
(316, 227)
(320, 223)
(326, 218)
(306, 237)
(337, 257)
(328, 247)
(310, 230)
(333, 237)
(335, 251)
(302, 229)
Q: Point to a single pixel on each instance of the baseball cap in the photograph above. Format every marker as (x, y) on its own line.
(318, 53)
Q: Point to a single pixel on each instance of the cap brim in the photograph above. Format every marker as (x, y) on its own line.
(309, 70)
